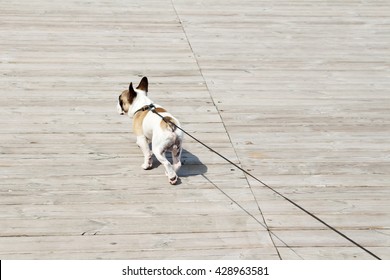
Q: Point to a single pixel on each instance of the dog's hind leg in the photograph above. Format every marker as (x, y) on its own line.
(169, 171)
(143, 144)
(176, 155)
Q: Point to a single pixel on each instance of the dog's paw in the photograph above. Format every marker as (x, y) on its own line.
(173, 180)
(147, 166)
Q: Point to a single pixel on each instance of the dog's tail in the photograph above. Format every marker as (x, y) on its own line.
(168, 123)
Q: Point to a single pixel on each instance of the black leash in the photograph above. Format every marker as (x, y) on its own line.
(152, 108)
(145, 108)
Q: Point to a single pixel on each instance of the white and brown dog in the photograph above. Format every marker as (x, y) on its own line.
(149, 126)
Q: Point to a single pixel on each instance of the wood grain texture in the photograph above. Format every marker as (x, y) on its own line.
(302, 89)
(296, 93)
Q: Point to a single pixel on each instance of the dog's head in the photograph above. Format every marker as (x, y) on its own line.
(127, 97)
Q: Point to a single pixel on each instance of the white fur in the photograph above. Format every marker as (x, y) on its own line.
(119, 109)
(163, 140)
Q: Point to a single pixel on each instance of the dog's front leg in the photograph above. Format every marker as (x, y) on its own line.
(142, 142)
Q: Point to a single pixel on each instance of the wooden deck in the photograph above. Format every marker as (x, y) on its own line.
(296, 93)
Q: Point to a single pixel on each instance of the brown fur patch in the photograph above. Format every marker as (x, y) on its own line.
(168, 123)
(160, 110)
(124, 100)
(127, 97)
(139, 117)
(138, 121)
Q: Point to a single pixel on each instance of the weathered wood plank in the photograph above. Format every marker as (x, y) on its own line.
(296, 93)
(69, 165)
(136, 242)
(302, 90)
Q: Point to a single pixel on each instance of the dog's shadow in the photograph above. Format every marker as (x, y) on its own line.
(190, 164)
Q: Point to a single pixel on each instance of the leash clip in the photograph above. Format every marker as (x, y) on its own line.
(150, 107)
(146, 108)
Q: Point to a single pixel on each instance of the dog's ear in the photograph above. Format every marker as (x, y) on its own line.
(132, 93)
(143, 85)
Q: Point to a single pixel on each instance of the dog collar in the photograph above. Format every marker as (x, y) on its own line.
(145, 108)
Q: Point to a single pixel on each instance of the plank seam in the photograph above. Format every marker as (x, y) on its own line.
(228, 135)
